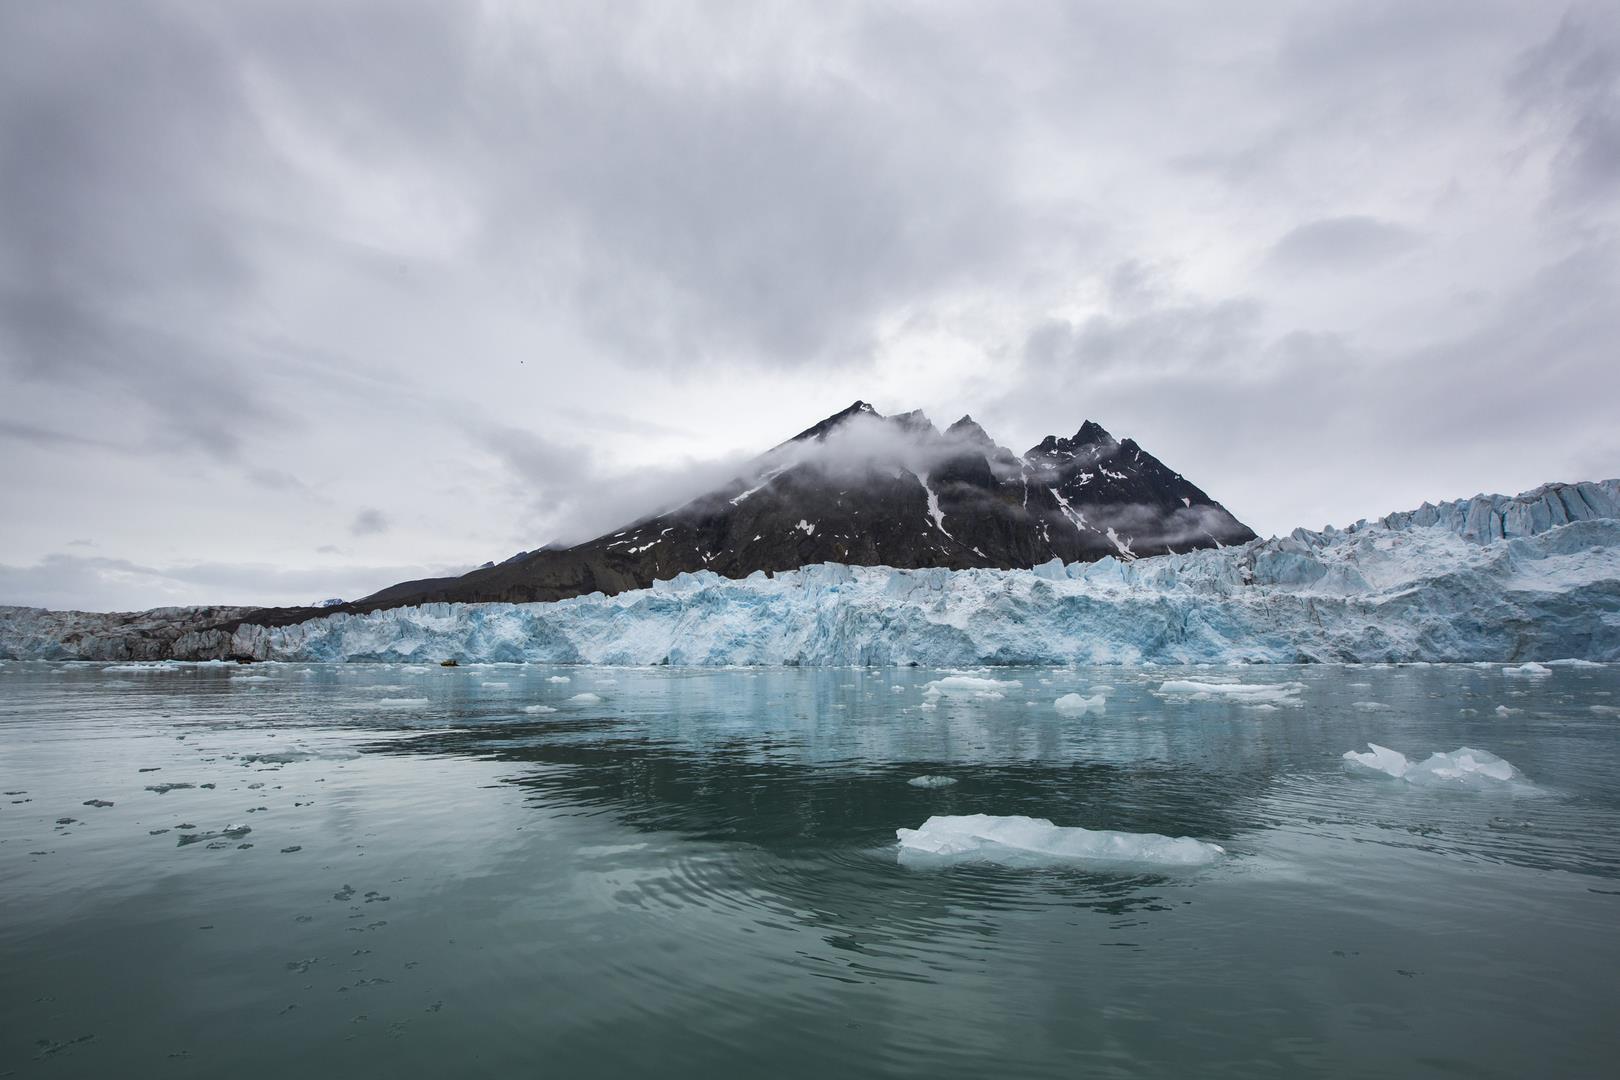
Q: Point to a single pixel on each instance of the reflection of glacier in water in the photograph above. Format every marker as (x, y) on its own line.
(706, 860)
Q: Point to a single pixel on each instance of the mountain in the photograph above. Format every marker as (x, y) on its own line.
(864, 489)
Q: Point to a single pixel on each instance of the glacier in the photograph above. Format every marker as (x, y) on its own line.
(1511, 581)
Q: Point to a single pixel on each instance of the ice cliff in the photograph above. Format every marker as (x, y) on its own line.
(1535, 577)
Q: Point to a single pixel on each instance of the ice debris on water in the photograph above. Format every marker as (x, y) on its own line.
(1017, 841)
(970, 686)
(558, 678)
(1530, 670)
(1076, 705)
(538, 709)
(586, 698)
(1275, 694)
(931, 781)
(1464, 766)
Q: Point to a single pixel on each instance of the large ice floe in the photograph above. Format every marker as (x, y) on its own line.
(1024, 841)
(1484, 579)
(1463, 767)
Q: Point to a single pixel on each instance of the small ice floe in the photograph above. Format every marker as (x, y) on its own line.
(144, 669)
(970, 686)
(1026, 841)
(931, 781)
(1369, 706)
(538, 709)
(1605, 710)
(1279, 694)
(415, 669)
(898, 689)
(1570, 661)
(392, 703)
(1530, 670)
(1463, 767)
(558, 678)
(496, 685)
(1075, 705)
(250, 678)
(586, 698)
(1503, 710)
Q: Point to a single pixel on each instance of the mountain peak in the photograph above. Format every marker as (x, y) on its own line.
(969, 430)
(820, 430)
(1092, 433)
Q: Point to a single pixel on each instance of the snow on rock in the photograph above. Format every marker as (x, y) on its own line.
(1075, 705)
(1463, 767)
(1488, 579)
(931, 781)
(1023, 841)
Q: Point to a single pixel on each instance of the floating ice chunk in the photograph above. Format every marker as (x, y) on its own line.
(931, 781)
(144, 669)
(1464, 766)
(250, 678)
(558, 678)
(1573, 662)
(496, 685)
(586, 698)
(415, 669)
(1075, 705)
(1369, 706)
(1379, 759)
(1019, 841)
(393, 703)
(969, 686)
(1531, 670)
(538, 709)
(1503, 710)
(1247, 693)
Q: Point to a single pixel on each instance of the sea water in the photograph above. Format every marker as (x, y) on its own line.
(386, 870)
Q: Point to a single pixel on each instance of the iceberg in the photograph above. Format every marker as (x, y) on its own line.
(1023, 841)
(969, 686)
(1485, 579)
(1463, 767)
(931, 781)
(1075, 705)
(1255, 694)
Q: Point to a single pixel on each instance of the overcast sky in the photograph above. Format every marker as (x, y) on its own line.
(298, 299)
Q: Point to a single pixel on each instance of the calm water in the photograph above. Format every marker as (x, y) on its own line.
(696, 875)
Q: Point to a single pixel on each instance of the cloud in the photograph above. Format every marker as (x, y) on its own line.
(1573, 80)
(113, 584)
(1341, 243)
(369, 522)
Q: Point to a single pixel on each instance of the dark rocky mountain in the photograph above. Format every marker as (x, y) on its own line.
(866, 489)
